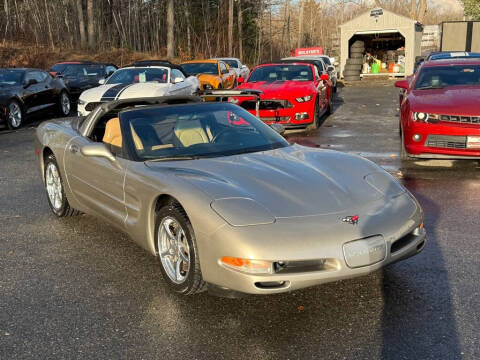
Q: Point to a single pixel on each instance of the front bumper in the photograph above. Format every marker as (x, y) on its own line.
(441, 140)
(298, 116)
(303, 240)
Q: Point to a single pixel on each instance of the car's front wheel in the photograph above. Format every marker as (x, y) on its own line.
(64, 104)
(177, 249)
(15, 115)
(55, 190)
(316, 118)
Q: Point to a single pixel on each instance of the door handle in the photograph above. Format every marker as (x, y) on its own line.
(74, 148)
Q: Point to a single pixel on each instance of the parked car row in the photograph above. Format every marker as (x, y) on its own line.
(296, 91)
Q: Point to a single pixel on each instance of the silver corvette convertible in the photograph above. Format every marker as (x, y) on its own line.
(223, 200)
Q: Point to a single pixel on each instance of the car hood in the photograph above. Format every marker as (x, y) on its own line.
(208, 78)
(458, 100)
(291, 181)
(275, 89)
(110, 92)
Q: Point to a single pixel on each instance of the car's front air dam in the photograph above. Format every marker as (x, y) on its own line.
(310, 238)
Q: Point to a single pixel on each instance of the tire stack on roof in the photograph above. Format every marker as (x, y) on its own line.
(353, 68)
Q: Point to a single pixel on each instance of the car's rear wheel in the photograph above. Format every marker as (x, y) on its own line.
(177, 249)
(64, 104)
(316, 117)
(15, 115)
(57, 199)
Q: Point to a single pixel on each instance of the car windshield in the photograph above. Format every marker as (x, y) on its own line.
(231, 63)
(197, 130)
(11, 77)
(200, 68)
(138, 75)
(79, 70)
(58, 67)
(282, 73)
(443, 76)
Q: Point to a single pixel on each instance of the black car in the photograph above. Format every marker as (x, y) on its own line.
(25, 91)
(81, 76)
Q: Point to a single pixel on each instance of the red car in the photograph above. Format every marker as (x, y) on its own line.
(440, 111)
(294, 94)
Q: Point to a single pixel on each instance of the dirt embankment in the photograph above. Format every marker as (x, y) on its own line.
(26, 55)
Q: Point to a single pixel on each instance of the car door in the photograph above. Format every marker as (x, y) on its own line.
(179, 88)
(321, 86)
(96, 182)
(47, 92)
(227, 82)
(29, 93)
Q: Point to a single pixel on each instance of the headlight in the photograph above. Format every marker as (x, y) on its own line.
(81, 102)
(207, 87)
(425, 117)
(304, 98)
(247, 265)
(240, 211)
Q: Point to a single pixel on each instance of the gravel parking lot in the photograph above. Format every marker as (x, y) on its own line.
(77, 288)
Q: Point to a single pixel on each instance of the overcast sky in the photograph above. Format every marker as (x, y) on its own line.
(447, 5)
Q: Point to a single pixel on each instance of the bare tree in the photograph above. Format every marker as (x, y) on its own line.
(81, 24)
(300, 24)
(240, 26)
(170, 25)
(230, 28)
(90, 26)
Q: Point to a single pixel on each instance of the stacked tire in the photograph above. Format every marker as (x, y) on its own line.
(354, 64)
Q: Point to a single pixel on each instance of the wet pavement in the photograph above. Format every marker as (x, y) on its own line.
(76, 288)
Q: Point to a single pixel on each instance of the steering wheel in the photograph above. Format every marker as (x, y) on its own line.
(222, 133)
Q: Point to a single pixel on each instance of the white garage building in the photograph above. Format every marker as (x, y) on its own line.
(382, 30)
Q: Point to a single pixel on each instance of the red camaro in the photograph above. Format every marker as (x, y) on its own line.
(294, 95)
(440, 111)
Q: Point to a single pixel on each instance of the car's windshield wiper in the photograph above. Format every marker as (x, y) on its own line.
(172, 158)
(430, 87)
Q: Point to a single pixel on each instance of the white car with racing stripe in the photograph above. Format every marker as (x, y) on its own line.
(141, 79)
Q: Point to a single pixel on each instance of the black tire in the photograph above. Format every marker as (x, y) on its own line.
(351, 73)
(356, 61)
(356, 56)
(356, 68)
(65, 209)
(64, 110)
(357, 44)
(351, 78)
(193, 282)
(316, 118)
(14, 123)
(404, 155)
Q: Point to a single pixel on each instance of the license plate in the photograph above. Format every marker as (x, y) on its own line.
(364, 252)
(473, 142)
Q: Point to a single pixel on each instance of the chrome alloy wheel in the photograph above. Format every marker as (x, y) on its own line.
(65, 103)
(54, 186)
(173, 249)
(14, 115)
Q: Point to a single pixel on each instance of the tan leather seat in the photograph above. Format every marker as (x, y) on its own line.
(190, 132)
(113, 133)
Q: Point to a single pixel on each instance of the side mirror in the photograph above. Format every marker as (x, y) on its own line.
(244, 67)
(279, 128)
(101, 81)
(324, 77)
(178, 80)
(330, 68)
(403, 84)
(332, 60)
(240, 80)
(30, 82)
(98, 150)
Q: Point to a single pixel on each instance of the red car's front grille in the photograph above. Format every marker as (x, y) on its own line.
(272, 118)
(448, 142)
(267, 104)
(460, 119)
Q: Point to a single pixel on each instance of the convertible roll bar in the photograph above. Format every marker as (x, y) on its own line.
(221, 95)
